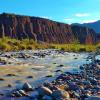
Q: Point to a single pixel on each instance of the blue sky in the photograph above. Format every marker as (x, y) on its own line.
(67, 11)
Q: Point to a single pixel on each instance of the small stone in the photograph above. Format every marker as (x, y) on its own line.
(27, 87)
(86, 82)
(93, 81)
(10, 75)
(49, 75)
(44, 90)
(60, 65)
(58, 71)
(9, 85)
(46, 97)
(2, 79)
(17, 94)
(60, 94)
(73, 86)
(76, 95)
(30, 77)
(23, 93)
(75, 58)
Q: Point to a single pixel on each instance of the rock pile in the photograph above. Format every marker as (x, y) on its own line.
(67, 86)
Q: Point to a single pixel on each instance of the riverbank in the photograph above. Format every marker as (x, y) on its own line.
(65, 84)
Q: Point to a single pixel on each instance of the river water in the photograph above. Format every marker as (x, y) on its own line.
(38, 67)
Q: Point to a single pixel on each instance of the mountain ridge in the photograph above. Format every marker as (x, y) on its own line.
(94, 25)
(41, 29)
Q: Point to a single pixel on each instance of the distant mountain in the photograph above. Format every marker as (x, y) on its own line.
(94, 25)
(45, 30)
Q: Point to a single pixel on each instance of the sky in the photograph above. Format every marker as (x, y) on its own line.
(67, 11)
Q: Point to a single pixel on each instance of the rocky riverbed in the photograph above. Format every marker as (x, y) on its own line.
(48, 75)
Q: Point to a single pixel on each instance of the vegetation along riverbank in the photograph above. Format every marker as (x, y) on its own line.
(8, 44)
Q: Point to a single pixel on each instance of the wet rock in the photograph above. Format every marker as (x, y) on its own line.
(93, 81)
(14, 94)
(23, 93)
(9, 85)
(58, 94)
(18, 94)
(81, 67)
(46, 97)
(86, 82)
(3, 60)
(44, 90)
(10, 75)
(58, 71)
(29, 76)
(51, 86)
(27, 87)
(60, 65)
(1, 94)
(63, 87)
(73, 86)
(34, 95)
(75, 58)
(76, 94)
(97, 88)
(2, 79)
(51, 75)
(93, 98)
(54, 63)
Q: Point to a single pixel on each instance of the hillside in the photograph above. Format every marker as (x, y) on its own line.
(45, 30)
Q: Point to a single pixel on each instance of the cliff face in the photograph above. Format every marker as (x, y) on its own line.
(45, 30)
(84, 35)
(98, 38)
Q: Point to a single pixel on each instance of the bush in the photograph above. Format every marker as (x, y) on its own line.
(5, 47)
(82, 50)
(22, 47)
(29, 47)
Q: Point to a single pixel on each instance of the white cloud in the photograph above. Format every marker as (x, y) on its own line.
(82, 14)
(88, 21)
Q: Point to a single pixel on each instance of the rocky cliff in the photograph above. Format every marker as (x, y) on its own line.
(40, 29)
(84, 34)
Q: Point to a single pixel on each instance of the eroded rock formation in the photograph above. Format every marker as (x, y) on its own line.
(40, 29)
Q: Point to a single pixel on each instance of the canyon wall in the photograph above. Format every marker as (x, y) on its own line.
(45, 30)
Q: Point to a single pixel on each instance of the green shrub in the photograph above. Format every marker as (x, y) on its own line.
(22, 47)
(5, 47)
(29, 47)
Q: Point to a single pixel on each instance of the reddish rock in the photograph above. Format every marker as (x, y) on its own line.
(45, 30)
(84, 34)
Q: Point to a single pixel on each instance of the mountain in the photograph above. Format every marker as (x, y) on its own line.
(45, 30)
(94, 25)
